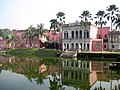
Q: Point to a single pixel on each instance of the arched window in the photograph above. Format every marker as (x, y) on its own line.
(72, 46)
(67, 46)
(64, 35)
(84, 34)
(76, 45)
(87, 34)
(67, 35)
(80, 32)
(64, 46)
(72, 34)
(76, 34)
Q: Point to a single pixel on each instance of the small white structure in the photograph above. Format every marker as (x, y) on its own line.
(76, 37)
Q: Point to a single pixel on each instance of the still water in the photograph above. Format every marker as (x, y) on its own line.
(18, 73)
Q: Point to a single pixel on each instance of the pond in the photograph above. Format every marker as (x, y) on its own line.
(20, 73)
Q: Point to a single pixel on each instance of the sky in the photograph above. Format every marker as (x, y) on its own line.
(20, 14)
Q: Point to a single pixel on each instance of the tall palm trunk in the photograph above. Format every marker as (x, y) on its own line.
(39, 42)
(101, 39)
(30, 43)
(54, 42)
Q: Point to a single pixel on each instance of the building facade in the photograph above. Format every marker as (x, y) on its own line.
(101, 42)
(76, 37)
(114, 40)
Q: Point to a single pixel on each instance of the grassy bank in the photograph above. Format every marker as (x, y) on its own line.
(33, 52)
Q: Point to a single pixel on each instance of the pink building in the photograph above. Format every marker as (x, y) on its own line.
(96, 43)
(35, 43)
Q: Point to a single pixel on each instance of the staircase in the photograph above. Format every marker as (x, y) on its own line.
(69, 54)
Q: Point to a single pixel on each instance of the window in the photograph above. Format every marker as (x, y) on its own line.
(87, 46)
(80, 33)
(64, 46)
(113, 46)
(67, 35)
(99, 36)
(81, 45)
(87, 34)
(77, 46)
(76, 34)
(84, 46)
(72, 34)
(105, 36)
(72, 45)
(84, 34)
(104, 46)
(67, 46)
(64, 35)
(97, 46)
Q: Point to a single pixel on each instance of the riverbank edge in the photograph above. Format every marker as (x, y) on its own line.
(56, 53)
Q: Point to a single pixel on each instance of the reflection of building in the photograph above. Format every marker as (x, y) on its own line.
(78, 74)
(101, 69)
(42, 68)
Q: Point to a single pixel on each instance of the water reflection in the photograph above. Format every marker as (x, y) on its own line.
(61, 74)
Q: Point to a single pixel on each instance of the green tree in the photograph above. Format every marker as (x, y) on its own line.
(117, 22)
(4, 33)
(39, 32)
(12, 39)
(85, 22)
(60, 22)
(29, 35)
(100, 15)
(86, 17)
(112, 13)
(55, 27)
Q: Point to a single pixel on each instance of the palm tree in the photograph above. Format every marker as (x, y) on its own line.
(60, 22)
(117, 22)
(4, 33)
(86, 17)
(100, 16)
(29, 35)
(55, 27)
(85, 20)
(112, 13)
(39, 32)
(12, 39)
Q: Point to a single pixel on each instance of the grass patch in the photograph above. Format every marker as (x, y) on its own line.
(33, 52)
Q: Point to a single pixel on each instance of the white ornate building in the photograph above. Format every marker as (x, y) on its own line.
(76, 37)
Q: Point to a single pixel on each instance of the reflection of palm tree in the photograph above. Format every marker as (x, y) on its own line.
(0, 69)
(32, 72)
(54, 84)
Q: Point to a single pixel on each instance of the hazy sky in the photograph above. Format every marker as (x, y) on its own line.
(20, 14)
